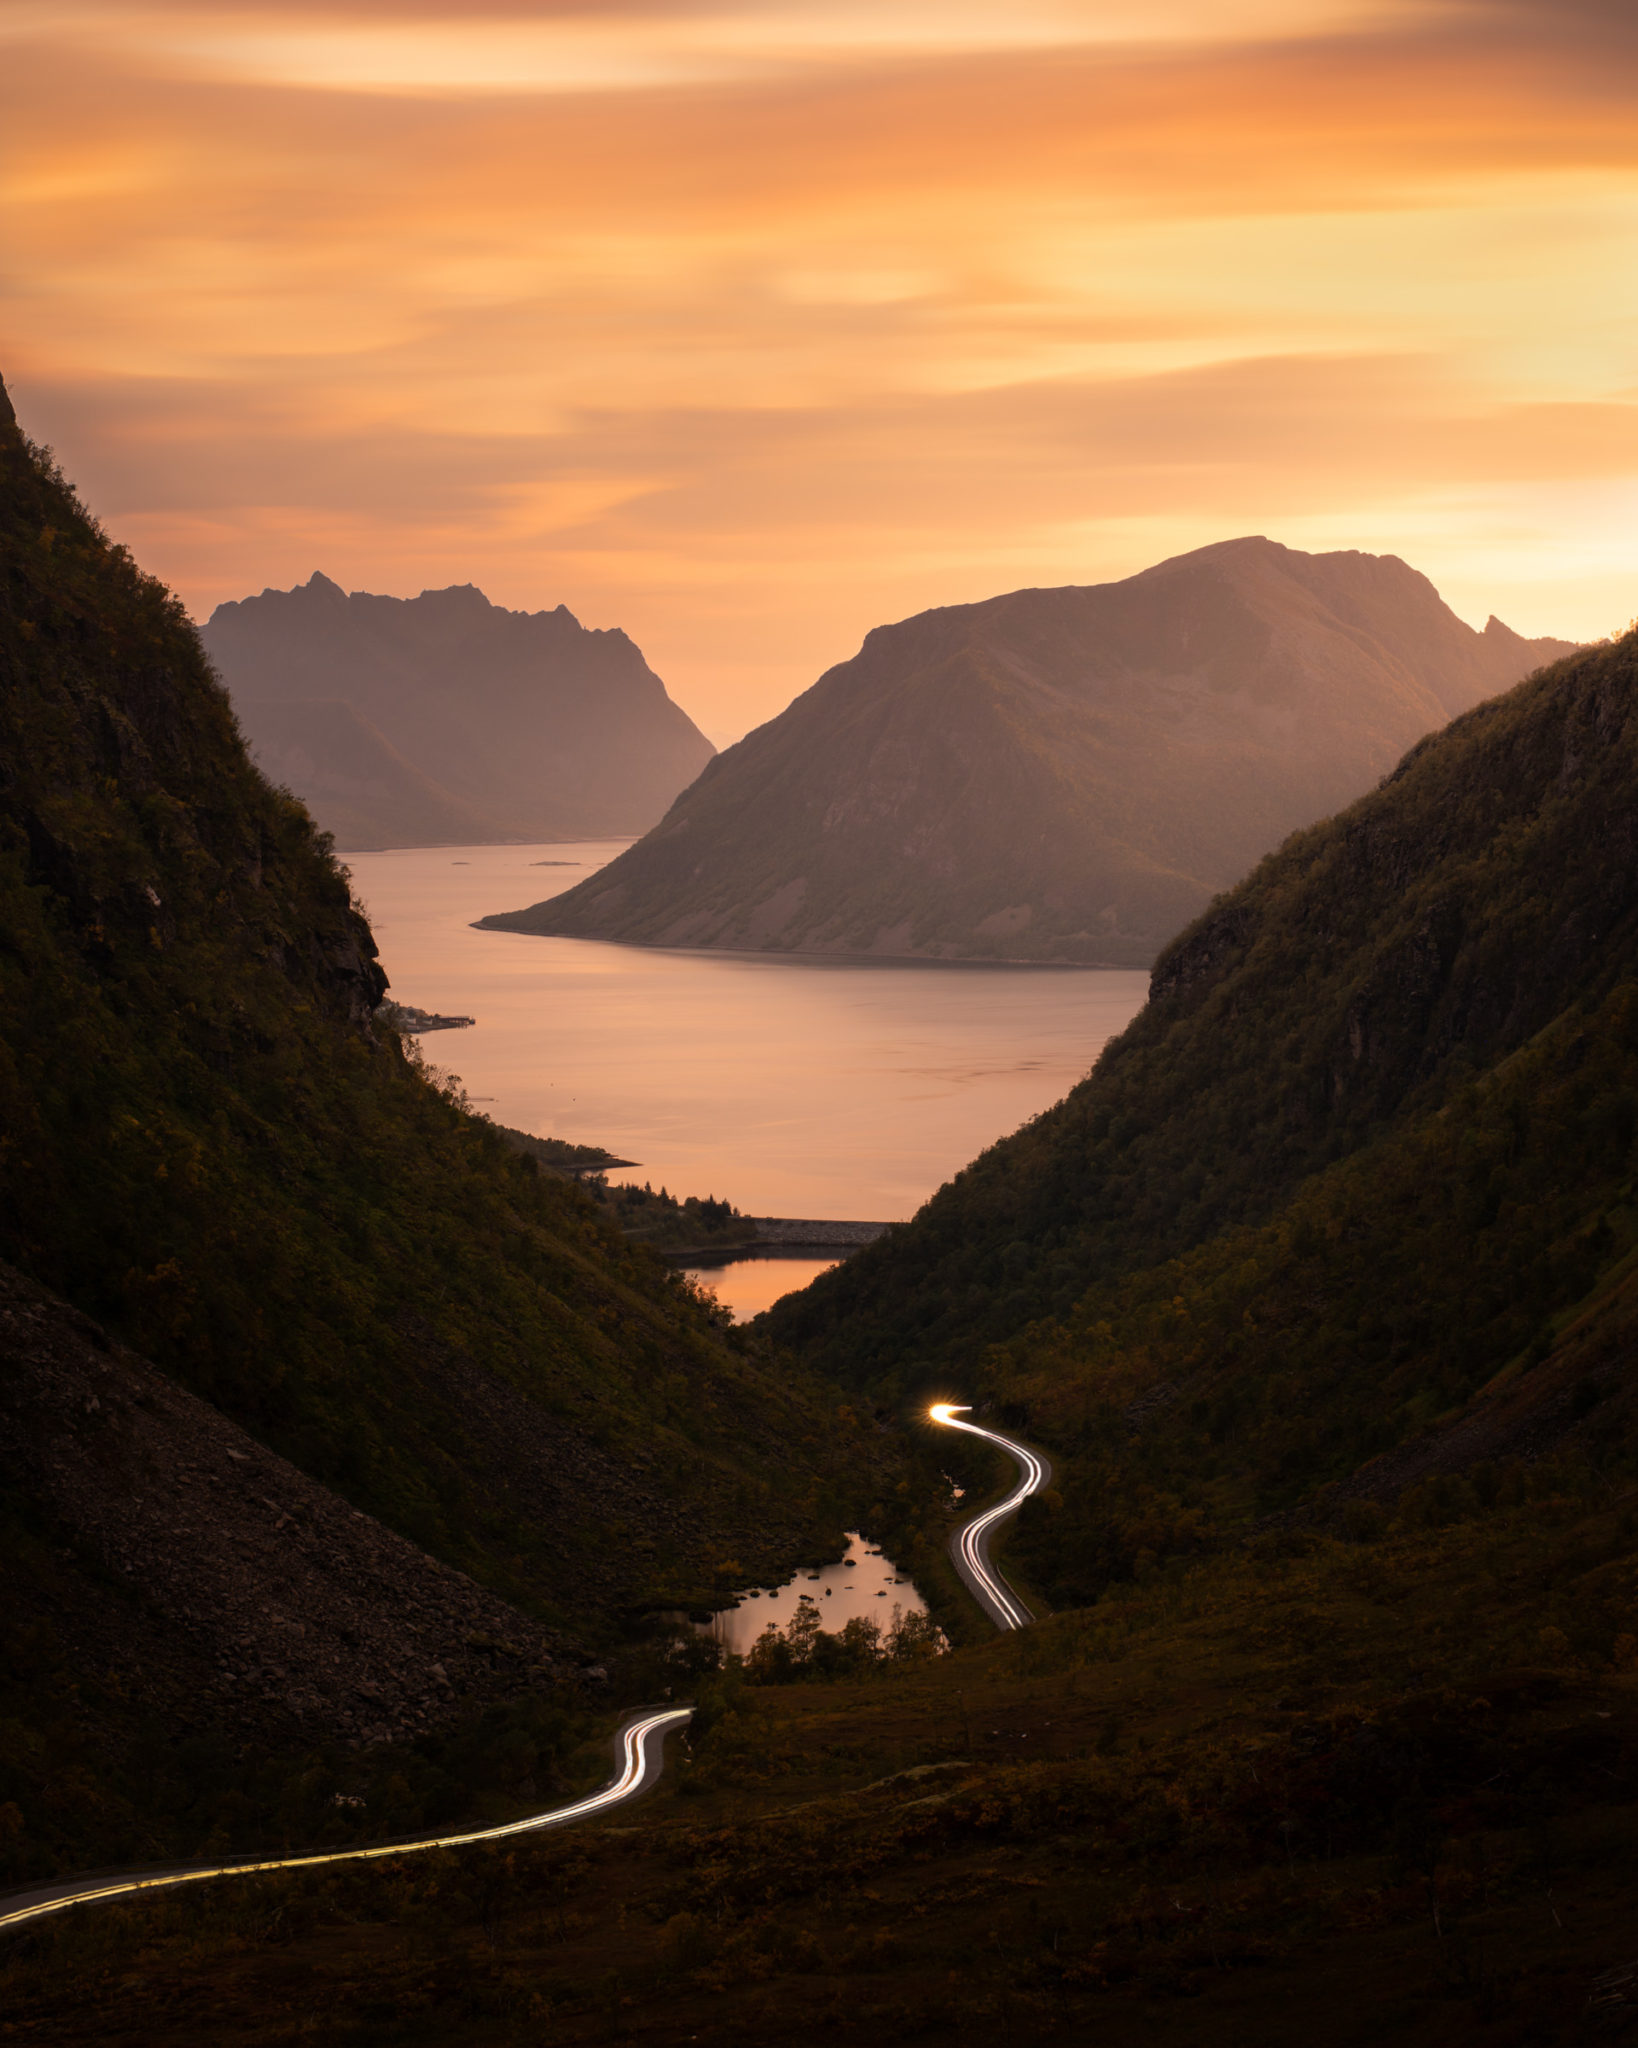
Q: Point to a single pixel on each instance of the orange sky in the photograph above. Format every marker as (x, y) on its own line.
(750, 326)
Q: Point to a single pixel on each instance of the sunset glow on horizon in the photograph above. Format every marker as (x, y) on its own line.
(748, 327)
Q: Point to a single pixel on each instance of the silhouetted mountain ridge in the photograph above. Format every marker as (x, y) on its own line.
(1055, 775)
(473, 722)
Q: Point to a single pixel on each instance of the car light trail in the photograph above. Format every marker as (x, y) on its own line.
(642, 1745)
(970, 1545)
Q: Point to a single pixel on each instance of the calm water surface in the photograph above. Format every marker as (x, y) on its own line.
(748, 1286)
(791, 1088)
(864, 1582)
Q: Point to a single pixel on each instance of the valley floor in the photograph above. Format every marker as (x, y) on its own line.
(1350, 1792)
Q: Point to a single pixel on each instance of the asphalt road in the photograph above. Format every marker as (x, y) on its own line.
(970, 1545)
(640, 1745)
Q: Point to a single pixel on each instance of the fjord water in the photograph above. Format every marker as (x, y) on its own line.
(791, 1088)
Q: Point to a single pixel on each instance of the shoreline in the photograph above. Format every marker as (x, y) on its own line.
(782, 1237)
(818, 959)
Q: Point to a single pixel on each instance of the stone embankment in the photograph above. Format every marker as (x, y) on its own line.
(816, 1235)
(203, 1576)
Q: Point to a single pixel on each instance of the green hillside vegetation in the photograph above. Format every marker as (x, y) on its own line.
(1349, 1210)
(669, 1224)
(662, 1221)
(1365, 977)
(561, 1155)
(209, 1147)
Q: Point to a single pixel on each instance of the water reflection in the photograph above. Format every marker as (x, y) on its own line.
(748, 1286)
(792, 1088)
(863, 1582)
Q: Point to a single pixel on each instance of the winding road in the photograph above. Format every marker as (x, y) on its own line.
(640, 1745)
(970, 1545)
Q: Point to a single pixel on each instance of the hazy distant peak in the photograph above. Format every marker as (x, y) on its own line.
(466, 596)
(1258, 549)
(474, 721)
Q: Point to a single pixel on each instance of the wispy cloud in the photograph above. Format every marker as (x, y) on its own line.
(769, 322)
(546, 51)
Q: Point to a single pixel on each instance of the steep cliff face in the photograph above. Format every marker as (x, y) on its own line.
(467, 721)
(138, 833)
(1063, 775)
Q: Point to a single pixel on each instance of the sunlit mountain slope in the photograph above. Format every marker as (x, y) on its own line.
(1056, 775)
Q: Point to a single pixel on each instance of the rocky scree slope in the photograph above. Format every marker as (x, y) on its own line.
(1055, 775)
(445, 719)
(211, 1149)
(202, 1652)
(184, 1565)
(1352, 1207)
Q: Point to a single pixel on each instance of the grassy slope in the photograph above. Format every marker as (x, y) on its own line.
(208, 1147)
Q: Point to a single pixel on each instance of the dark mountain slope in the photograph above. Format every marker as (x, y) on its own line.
(1057, 774)
(1362, 975)
(178, 1596)
(520, 725)
(1349, 1215)
(209, 1147)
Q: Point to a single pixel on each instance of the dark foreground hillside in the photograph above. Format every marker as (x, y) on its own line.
(209, 1148)
(1054, 775)
(1352, 1789)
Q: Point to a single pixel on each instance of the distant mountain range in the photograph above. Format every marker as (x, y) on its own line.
(444, 719)
(1056, 775)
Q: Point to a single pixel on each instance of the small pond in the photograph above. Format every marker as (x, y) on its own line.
(863, 1582)
(749, 1285)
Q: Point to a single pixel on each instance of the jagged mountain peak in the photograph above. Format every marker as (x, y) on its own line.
(502, 724)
